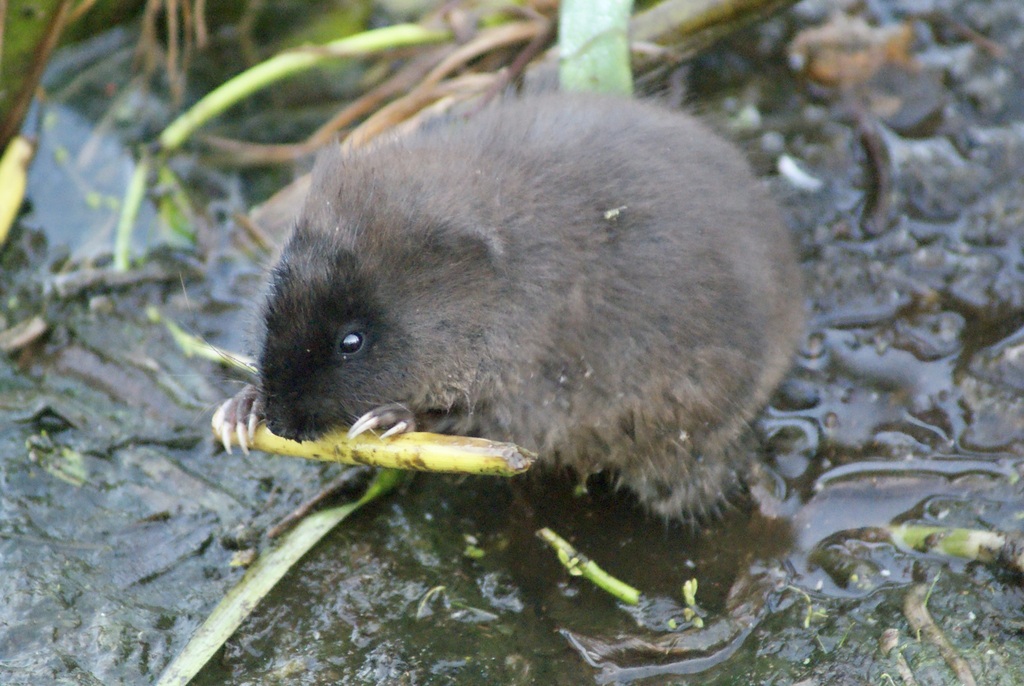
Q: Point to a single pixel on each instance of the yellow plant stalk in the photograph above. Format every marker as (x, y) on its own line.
(13, 172)
(423, 452)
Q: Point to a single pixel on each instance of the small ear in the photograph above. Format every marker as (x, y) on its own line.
(320, 206)
(329, 162)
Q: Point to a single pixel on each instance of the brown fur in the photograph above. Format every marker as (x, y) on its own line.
(596, 279)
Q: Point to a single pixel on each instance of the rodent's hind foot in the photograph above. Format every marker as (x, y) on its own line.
(397, 419)
(239, 415)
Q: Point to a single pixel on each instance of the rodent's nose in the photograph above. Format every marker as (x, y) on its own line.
(294, 427)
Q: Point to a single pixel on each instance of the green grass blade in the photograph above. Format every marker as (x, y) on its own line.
(288, 63)
(261, 578)
(133, 197)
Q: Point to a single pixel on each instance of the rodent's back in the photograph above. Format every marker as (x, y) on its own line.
(638, 298)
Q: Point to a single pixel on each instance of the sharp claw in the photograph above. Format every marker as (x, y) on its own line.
(225, 437)
(243, 443)
(253, 421)
(399, 428)
(363, 424)
(236, 419)
(218, 416)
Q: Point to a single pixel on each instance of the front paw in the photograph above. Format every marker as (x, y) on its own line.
(240, 416)
(394, 418)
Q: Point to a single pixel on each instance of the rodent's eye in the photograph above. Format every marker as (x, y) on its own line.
(351, 344)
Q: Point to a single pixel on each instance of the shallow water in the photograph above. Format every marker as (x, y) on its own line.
(118, 517)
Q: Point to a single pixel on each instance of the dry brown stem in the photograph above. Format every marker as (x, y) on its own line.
(916, 612)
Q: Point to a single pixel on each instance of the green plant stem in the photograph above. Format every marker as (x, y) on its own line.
(580, 565)
(261, 577)
(971, 544)
(193, 346)
(133, 197)
(291, 62)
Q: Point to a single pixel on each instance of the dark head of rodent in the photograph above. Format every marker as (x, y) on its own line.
(375, 300)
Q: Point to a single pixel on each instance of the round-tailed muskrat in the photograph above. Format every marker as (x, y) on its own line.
(597, 279)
